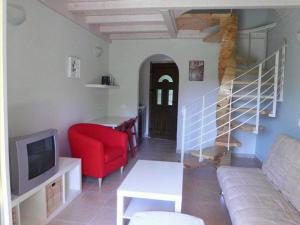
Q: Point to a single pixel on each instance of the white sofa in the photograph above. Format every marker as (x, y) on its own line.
(267, 196)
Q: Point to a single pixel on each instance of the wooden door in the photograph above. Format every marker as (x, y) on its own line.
(163, 100)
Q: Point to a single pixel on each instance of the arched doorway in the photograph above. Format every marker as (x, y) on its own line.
(158, 94)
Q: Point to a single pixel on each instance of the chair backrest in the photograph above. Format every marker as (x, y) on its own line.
(164, 218)
(133, 121)
(125, 126)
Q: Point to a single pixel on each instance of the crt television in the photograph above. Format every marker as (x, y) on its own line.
(33, 160)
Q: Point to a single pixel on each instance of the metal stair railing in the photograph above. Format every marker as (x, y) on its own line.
(200, 123)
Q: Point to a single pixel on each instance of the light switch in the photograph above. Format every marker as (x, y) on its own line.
(298, 122)
(298, 37)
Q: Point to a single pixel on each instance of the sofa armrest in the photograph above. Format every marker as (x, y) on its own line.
(90, 150)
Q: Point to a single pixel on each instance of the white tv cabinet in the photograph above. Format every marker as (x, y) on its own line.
(30, 208)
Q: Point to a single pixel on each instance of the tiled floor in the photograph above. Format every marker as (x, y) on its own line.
(200, 191)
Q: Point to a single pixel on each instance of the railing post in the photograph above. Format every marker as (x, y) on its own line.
(201, 130)
(275, 84)
(283, 58)
(249, 45)
(183, 134)
(229, 116)
(258, 98)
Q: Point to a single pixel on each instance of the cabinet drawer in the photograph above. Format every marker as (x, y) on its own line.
(54, 195)
(15, 217)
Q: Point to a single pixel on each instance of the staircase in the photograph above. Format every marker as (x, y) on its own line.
(247, 91)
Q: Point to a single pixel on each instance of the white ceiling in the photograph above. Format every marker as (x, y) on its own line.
(136, 19)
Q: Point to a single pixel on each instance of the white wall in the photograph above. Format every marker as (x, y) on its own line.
(288, 112)
(126, 58)
(144, 84)
(40, 96)
(5, 194)
(250, 18)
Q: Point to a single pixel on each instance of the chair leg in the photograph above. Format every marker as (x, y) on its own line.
(121, 169)
(100, 182)
(132, 147)
(133, 151)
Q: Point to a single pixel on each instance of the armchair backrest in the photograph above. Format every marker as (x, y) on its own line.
(108, 136)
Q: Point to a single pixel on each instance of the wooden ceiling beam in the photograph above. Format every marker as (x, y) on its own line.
(110, 19)
(170, 21)
(132, 28)
(196, 21)
(116, 12)
(178, 4)
(139, 36)
(60, 7)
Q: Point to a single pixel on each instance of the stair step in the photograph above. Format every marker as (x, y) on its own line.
(209, 153)
(247, 66)
(223, 141)
(240, 82)
(242, 110)
(253, 96)
(245, 60)
(240, 71)
(219, 156)
(247, 127)
(213, 156)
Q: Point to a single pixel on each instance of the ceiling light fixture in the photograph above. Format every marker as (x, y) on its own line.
(98, 51)
(16, 14)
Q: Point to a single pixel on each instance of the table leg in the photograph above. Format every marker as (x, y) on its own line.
(178, 205)
(120, 209)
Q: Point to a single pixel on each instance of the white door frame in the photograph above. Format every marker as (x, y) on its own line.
(5, 194)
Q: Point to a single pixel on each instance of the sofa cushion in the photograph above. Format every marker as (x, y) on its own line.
(283, 168)
(252, 200)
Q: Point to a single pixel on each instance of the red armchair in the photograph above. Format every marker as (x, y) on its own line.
(101, 149)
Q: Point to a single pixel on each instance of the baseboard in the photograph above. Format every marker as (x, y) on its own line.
(237, 155)
(243, 155)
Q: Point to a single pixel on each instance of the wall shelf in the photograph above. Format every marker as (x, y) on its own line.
(102, 86)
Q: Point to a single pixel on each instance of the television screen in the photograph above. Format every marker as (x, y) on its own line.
(41, 156)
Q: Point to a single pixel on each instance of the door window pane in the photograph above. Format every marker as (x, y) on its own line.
(168, 78)
(170, 97)
(158, 96)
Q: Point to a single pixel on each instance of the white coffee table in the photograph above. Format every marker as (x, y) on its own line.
(151, 185)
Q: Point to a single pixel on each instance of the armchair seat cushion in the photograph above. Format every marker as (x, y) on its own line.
(112, 153)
